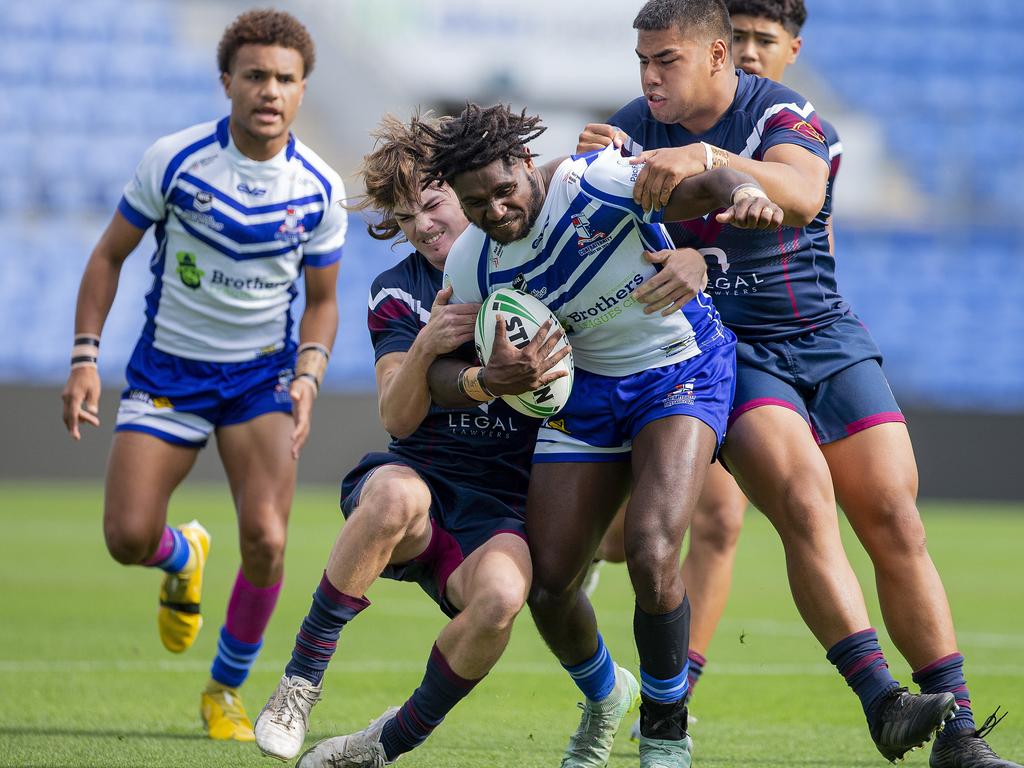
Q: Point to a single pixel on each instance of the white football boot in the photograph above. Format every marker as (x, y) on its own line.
(281, 725)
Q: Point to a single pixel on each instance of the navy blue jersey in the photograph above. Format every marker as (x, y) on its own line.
(487, 448)
(767, 285)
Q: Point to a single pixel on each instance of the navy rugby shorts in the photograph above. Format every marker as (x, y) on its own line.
(832, 377)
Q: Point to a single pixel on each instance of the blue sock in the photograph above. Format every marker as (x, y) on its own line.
(860, 660)
(663, 642)
(318, 636)
(439, 692)
(595, 676)
(234, 659)
(178, 556)
(947, 674)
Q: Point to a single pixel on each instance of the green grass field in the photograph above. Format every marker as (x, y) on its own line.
(84, 680)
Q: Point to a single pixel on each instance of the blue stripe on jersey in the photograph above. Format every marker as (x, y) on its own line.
(289, 316)
(239, 232)
(180, 158)
(156, 266)
(654, 237)
(254, 209)
(321, 259)
(623, 203)
(134, 217)
(230, 252)
(592, 270)
(315, 172)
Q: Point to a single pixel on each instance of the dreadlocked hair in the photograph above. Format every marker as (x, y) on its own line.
(392, 174)
(476, 138)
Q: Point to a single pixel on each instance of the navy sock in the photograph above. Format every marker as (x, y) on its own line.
(697, 662)
(595, 677)
(318, 637)
(947, 674)
(439, 692)
(860, 660)
(234, 659)
(663, 642)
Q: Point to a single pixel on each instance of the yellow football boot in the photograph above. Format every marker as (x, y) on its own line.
(179, 619)
(223, 714)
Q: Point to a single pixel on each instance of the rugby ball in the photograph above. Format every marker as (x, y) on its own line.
(523, 316)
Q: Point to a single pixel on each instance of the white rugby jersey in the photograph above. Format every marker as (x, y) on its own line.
(583, 258)
(233, 235)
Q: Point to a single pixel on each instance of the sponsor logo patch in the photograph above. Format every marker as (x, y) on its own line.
(189, 273)
(681, 394)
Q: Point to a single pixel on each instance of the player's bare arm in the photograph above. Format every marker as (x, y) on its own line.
(96, 293)
(682, 275)
(510, 371)
(746, 204)
(316, 338)
(791, 176)
(403, 392)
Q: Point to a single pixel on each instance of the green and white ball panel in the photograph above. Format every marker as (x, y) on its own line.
(523, 316)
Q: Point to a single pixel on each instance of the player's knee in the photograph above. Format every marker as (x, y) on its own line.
(653, 563)
(895, 528)
(716, 529)
(802, 512)
(498, 603)
(263, 546)
(393, 505)
(129, 545)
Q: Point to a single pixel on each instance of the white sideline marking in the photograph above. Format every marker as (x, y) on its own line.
(725, 669)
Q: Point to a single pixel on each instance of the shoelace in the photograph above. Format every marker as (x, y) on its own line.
(990, 722)
(292, 695)
(597, 717)
(364, 754)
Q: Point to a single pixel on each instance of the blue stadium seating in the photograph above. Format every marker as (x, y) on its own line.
(86, 86)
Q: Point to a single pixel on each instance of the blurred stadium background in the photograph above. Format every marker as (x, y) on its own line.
(930, 240)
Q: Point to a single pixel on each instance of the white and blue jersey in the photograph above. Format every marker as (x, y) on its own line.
(583, 258)
(233, 235)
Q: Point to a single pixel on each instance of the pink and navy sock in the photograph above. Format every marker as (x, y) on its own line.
(947, 674)
(437, 695)
(595, 676)
(695, 670)
(859, 659)
(318, 636)
(241, 637)
(171, 553)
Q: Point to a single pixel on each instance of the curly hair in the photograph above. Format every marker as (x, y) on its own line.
(476, 138)
(791, 14)
(392, 173)
(266, 27)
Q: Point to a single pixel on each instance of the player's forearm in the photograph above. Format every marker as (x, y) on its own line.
(96, 294)
(319, 324)
(443, 378)
(799, 196)
(704, 193)
(405, 396)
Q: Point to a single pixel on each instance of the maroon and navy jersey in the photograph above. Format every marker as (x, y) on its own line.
(487, 448)
(767, 285)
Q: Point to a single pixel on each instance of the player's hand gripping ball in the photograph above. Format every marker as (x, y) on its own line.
(523, 316)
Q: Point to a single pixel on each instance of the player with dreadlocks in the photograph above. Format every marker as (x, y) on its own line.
(649, 402)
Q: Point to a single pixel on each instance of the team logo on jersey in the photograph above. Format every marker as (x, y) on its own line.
(519, 282)
(245, 189)
(189, 273)
(681, 394)
(587, 240)
(292, 230)
(203, 201)
(806, 129)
